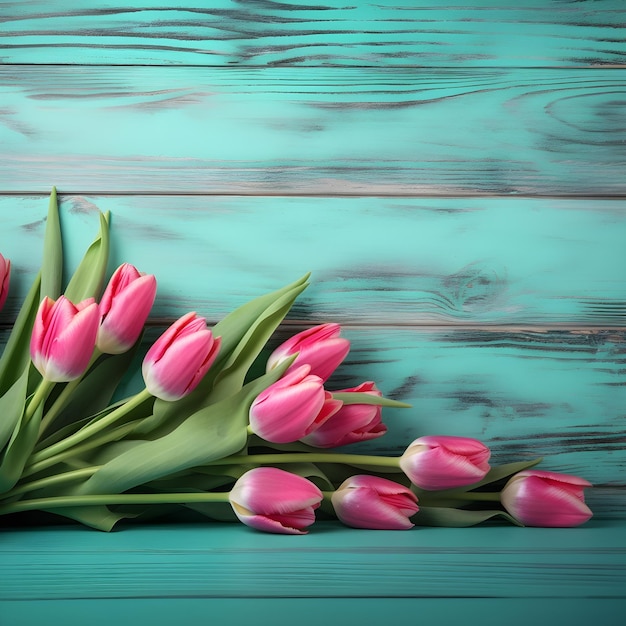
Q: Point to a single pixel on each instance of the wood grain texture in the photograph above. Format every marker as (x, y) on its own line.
(281, 611)
(555, 262)
(233, 562)
(330, 33)
(334, 131)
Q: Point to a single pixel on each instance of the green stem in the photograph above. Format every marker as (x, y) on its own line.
(64, 396)
(51, 481)
(90, 429)
(309, 457)
(108, 499)
(39, 397)
(37, 464)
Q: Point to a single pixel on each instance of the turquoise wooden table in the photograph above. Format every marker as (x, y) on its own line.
(453, 176)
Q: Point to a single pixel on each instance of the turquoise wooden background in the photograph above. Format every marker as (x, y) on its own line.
(453, 176)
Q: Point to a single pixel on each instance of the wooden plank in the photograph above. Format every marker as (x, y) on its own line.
(229, 561)
(556, 262)
(283, 611)
(337, 131)
(386, 33)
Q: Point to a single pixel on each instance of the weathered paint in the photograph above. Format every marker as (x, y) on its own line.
(357, 131)
(328, 32)
(476, 262)
(415, 261)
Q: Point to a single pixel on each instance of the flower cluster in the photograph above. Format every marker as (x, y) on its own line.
(206, 434)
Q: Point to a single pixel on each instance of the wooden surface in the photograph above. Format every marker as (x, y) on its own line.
(453, 175)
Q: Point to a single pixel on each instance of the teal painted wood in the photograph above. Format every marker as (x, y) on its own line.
(230, 561)
(330, 33)
(555, 262)
(310, 612)
(367, 131)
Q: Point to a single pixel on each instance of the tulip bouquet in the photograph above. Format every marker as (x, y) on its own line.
(219, 428)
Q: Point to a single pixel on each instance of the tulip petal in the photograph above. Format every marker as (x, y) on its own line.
(375, 503)
(125, 307)
(547, 499)
(273, 500)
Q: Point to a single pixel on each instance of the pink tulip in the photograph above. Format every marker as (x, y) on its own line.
(63, 338)
(372, 502)
(540, 498)
(124, 308)
(179, 358)
(5, 276)
(351, 423)
(320, 347)
(443, 462)
(276, 501)
(292, 407)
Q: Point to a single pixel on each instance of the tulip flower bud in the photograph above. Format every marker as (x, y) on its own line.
(444, 462)
(372, 502)
(292, 407)
(179, 358)
(351, 423)
(320, 347)
(276, 501)
(63, 338)
(541, 498)
(124, 308)
(5, 275)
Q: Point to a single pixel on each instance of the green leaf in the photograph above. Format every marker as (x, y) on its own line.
(231, 377)
(98, 517)
(212, 433)
(12, 408)
(52, 266)
(500, 472)
(18, 450)
(350, 397)
(16, 355)
(88, 279)
(456, 518)
(235, 325)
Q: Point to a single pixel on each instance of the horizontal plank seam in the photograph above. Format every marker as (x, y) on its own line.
(300, 67)
(239, 194)
(429, 326)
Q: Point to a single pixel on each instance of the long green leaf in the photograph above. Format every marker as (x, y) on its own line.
(88, 279)
(12, 408)
(18, 450)
(52, 266)
(456, 518)
(232, 376)
(349, 397)
(16, 355)
(98, 517)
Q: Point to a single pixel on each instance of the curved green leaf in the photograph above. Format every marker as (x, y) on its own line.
(16, 355)
(18, 450)
(12, 408)
(351, 397)
(88, 279)
(52, 266)
(456, 518)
